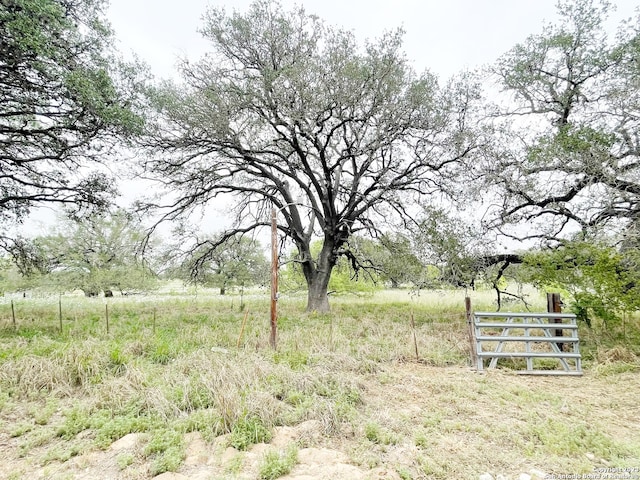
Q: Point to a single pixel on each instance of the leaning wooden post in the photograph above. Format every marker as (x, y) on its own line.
(472, 332)
(60, 312)
(415, 338)
(554, 305)
(13, 315)
(106, 315)
(244, 323)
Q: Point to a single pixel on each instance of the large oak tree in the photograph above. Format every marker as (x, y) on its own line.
(287, 112)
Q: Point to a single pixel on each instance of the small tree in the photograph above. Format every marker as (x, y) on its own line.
(95, 254)
(240, 261)
(357, 276)
(390, 258)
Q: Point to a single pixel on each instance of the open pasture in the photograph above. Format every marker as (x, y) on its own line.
(344, 396)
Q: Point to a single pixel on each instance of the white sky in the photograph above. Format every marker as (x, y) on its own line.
(445, 36)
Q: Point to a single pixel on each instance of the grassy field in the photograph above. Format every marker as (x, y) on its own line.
(200, 400)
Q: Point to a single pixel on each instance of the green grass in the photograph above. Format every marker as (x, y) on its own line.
(352, 371)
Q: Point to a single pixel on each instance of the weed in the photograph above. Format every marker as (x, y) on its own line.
(124, 460)
(376, 434)
(168, 461)
(62, 453)
(558, 437)
(35, 438)
(235, 465)
(167, 449)
(422, 440)
(247, 431)
(76, 420)
(117, 427)
(276, 464)
(405, 474)
(207, 422)
(20, 429)
(172, 383)
(296, 359)
(118, 360)
(161, 352)
(42, 414)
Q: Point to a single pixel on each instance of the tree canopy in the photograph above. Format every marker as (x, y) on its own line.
(569, 158)
(287, 112)
(64, 98)
(240, 261)
(98, 253)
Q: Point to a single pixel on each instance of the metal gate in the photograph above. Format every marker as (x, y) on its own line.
(539, 338)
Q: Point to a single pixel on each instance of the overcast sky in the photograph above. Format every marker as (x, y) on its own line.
(445, 36)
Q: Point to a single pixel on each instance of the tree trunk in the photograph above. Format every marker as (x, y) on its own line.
(318, 276)
(317, 298)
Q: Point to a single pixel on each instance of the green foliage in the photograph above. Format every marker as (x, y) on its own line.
(289, 112)
(65, 98)
(344, 278)
(558, 437)
(247, 431)
(240, 261)
(376, 434)
(573, 89)
(76, 420)
(248, 391)
(450, 247)
(391, 259)
(599, 280)
(167, 449)
(113, 427)
(275, 464)
(93, 254)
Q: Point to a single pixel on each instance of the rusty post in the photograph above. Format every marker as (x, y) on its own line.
(554, 305)
(472, 332)
(274, 279)
(13, 315)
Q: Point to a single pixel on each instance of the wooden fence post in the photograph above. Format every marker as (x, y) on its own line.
(554, 305)
(13, 315)
(472, 332)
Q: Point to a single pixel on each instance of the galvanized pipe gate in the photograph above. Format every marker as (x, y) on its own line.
(532, 336)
